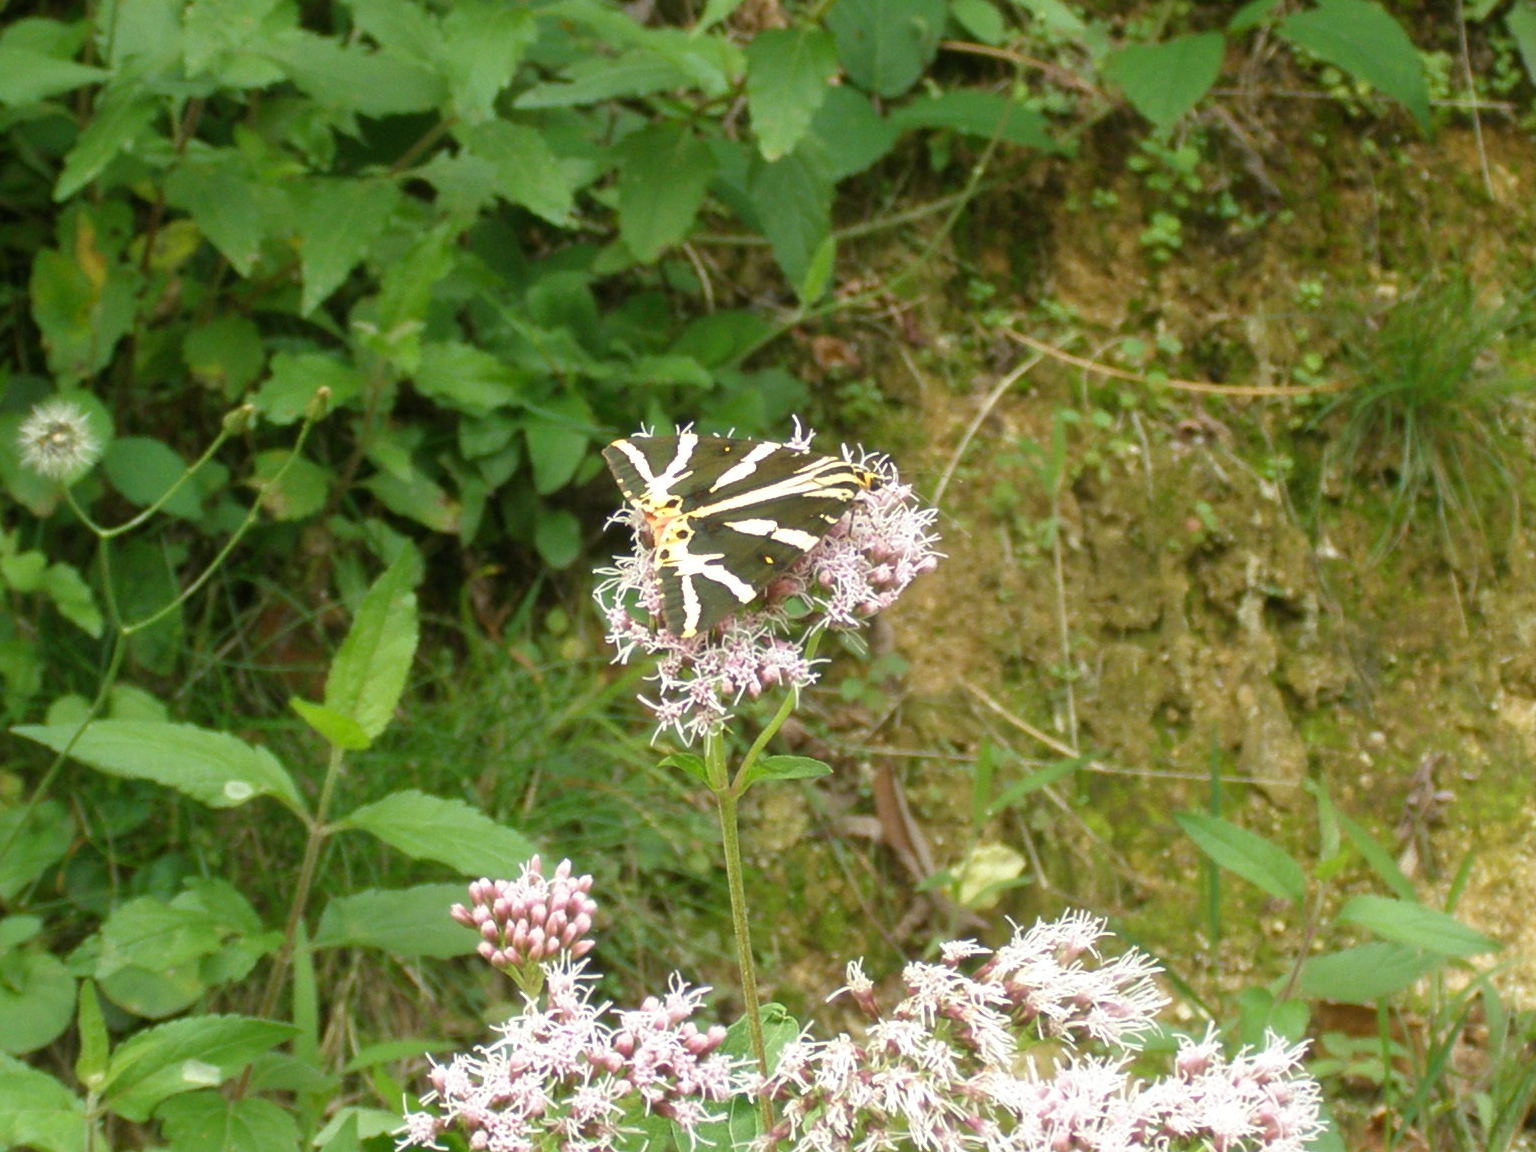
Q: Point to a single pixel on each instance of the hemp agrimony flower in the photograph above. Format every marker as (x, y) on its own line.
(858, 566)
(56, 440)
(946, 1069)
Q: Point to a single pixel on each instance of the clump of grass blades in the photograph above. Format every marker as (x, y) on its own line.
(1435, 376)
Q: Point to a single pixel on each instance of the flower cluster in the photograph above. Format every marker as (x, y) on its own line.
(942, 1070)
(526, 922)
(570, 1074)
(883, 542)
(56, 440)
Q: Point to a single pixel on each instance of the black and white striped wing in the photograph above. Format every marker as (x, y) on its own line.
(726, 516)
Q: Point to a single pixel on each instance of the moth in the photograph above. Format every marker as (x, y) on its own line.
(727, 516)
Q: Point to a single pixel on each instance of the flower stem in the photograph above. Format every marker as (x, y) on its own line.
(728, 797)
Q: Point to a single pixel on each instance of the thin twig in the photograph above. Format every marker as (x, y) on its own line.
(1477, 121)
(1171, 382)
(982, 413)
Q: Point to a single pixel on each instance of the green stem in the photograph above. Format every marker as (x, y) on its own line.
(728, 796)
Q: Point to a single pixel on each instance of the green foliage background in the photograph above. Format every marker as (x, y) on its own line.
(458, 246)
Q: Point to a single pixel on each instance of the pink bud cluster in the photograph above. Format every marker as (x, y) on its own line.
(530, 920)
(860, 567)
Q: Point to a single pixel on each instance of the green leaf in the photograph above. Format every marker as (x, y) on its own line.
(467, 379)
(786, 768)
(351, 78)
(1363, 975)
(336, 728)
(406, 922)
(369, 672)
(448, 831)
(787, 74)
(38, 1112)
(714, 12)
(973, 112)
(483, 45)
(886, 44)
(182, 1056)
(526, 171)
(664, 171)
(95, 1043)
(206, 1121)
(37, 1000)
(794, 203)
(225, 354)
(417, 497)
(1251, 15)
(1249, 856)
(1521, 23)
(213, 768)
(296, 377)
(1164, 81)
(227, 201)
(81, 314)
(980, 19)
(1379, 859)
(1363, 39)
(558, 443)
(337, 222)
(595, 79)
(291, 488)
(41, 843)
(689, 762)
(848, 135)
(27, 76)
(73, 597)
(1409, 922)
(122, 116)
(557, 536)
(143, 470)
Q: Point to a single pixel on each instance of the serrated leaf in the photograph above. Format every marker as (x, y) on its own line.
(787, 74)
(467, 379)
(482, 47)
(227, 202)
(185, 1055)
(1409, 922)
(689, 762)
(36, 1111)
(143, 470)
(369, 671)
(1363, 39)
(589, 81)
(295, 379)
(206, 1121)
(1246, 854)
(664, 171)
(351, 78)
(336, 729)
(406, 922)
(213, 768)
(337, 222)
(1363, 975)
(449, 831)
(989, 115)
(886, 44)
(1164, 81)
